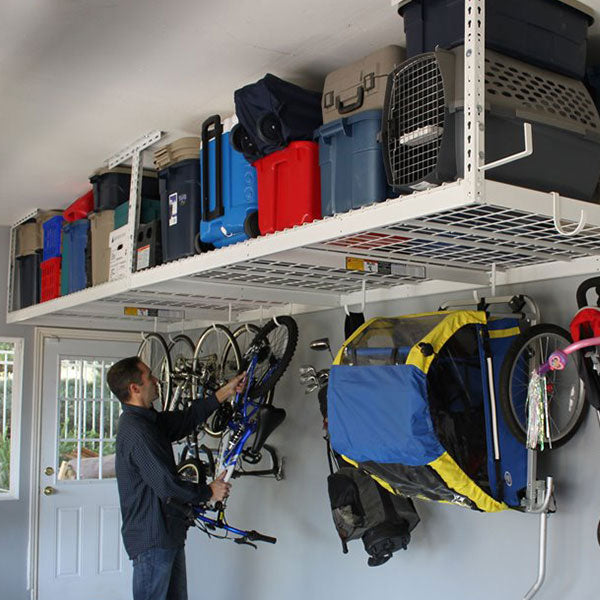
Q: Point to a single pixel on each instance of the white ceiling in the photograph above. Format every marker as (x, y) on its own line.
(81, 79)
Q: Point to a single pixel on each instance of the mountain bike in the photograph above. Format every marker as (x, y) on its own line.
(265, 361)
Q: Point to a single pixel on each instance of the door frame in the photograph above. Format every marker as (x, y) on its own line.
(41, 334)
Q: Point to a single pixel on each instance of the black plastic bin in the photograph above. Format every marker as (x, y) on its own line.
(549, 33)
(28, 278)
(112, 187)
(180, 197)
(148, 245)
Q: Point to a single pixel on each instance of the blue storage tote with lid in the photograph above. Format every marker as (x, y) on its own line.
(229, 187)
(551, 34)
(74, 272)
(179, 186)
(352, 170)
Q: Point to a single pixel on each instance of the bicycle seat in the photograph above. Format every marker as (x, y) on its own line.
(269, 418)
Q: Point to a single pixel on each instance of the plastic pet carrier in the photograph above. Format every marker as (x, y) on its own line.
(272, 113)
(28, 278)
(50, 286)
(75, 268)
(112, 186)
(148, 246)
(180, 198)
(229, 188)
(289, 187)
(549, 33)
(351, 163)
(409, 401)
(360, 86)
(423, 140)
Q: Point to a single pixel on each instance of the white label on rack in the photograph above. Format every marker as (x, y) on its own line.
(173, 209)
(143, 257)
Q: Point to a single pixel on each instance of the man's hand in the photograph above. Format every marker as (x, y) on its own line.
(220, 489)
(234, 386)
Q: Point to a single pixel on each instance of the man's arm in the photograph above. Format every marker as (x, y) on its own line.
(153, 466)
(177, 424)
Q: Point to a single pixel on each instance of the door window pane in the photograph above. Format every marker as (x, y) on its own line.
(88, 415)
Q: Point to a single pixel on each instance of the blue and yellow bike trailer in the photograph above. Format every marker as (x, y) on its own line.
(413, 401)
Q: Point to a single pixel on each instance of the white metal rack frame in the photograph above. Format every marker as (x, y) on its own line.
(461, 235)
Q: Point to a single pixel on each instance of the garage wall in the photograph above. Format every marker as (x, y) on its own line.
(455, 553)
(14, 513)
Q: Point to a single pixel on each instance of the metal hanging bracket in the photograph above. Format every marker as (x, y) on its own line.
(528, 135)
(556, 217)
(364, 299)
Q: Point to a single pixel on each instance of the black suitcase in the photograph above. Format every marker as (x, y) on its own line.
(272, 113)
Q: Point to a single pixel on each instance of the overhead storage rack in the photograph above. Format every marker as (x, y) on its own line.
(468, 234)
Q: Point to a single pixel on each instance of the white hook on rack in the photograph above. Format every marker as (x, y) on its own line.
(364, 299)
(155, 324)
(493, 279)
(556, 216)
(276, 321)
(261, 315)
(230, 313)
(214, 326)
(527, 134)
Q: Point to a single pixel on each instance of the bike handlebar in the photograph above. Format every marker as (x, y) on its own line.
(254, 536)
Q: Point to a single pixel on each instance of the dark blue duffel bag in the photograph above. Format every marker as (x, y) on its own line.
(272, 113)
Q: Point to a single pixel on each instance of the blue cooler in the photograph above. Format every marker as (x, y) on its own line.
(229, 189)
(351, 161)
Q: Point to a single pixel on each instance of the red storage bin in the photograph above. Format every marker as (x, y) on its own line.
(80, 208)
(50, 279)
(289, 187)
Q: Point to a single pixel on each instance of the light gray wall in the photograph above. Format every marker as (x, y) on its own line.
(14, 513)
(455, 553)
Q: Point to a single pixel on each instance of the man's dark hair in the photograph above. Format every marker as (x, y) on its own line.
(122, 374)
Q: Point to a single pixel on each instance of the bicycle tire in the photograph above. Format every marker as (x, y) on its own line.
(155, 353)
(266, 381)
(185, 352)
(222, 374)
(189, 470)
(566, 393)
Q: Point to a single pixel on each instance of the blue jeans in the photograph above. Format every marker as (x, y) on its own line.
(159, 574)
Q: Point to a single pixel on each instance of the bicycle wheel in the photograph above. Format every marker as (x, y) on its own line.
(154, 352)
(566, 394)
(181, 351)
(244, 336)
(276, 344)
(209, 361)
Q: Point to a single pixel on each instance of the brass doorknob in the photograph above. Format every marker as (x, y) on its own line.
(49, 490)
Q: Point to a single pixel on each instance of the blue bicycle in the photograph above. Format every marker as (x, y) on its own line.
(251, 417)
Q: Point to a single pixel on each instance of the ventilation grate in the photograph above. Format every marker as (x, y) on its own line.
(415, 120)
(544, 92)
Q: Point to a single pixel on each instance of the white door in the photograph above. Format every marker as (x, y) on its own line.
(81, 554)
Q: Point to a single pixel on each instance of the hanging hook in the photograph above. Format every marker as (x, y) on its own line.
(493, 279)
(556, 216)
(364, 296)
(230, 314)
(346, 310)
(155, 324)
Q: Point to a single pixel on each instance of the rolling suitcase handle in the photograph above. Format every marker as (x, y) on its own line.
(216, 133)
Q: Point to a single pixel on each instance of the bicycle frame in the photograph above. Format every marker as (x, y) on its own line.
(558, 359)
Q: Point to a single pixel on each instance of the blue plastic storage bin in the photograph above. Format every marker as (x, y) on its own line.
(74, 273)
(52, 237)
(179, 186)
(549, 33)
(352, 170)
(229, 189)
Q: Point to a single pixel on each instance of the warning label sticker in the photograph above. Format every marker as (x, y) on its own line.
(143, 257)
(381, 267)
(172, 209)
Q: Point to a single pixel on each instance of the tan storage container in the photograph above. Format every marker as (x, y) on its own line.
(29, 238)
(44, 215)
(101, 226)
(181, 149)
(361, 85)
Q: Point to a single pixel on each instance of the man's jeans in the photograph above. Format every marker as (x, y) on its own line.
(159, 574)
